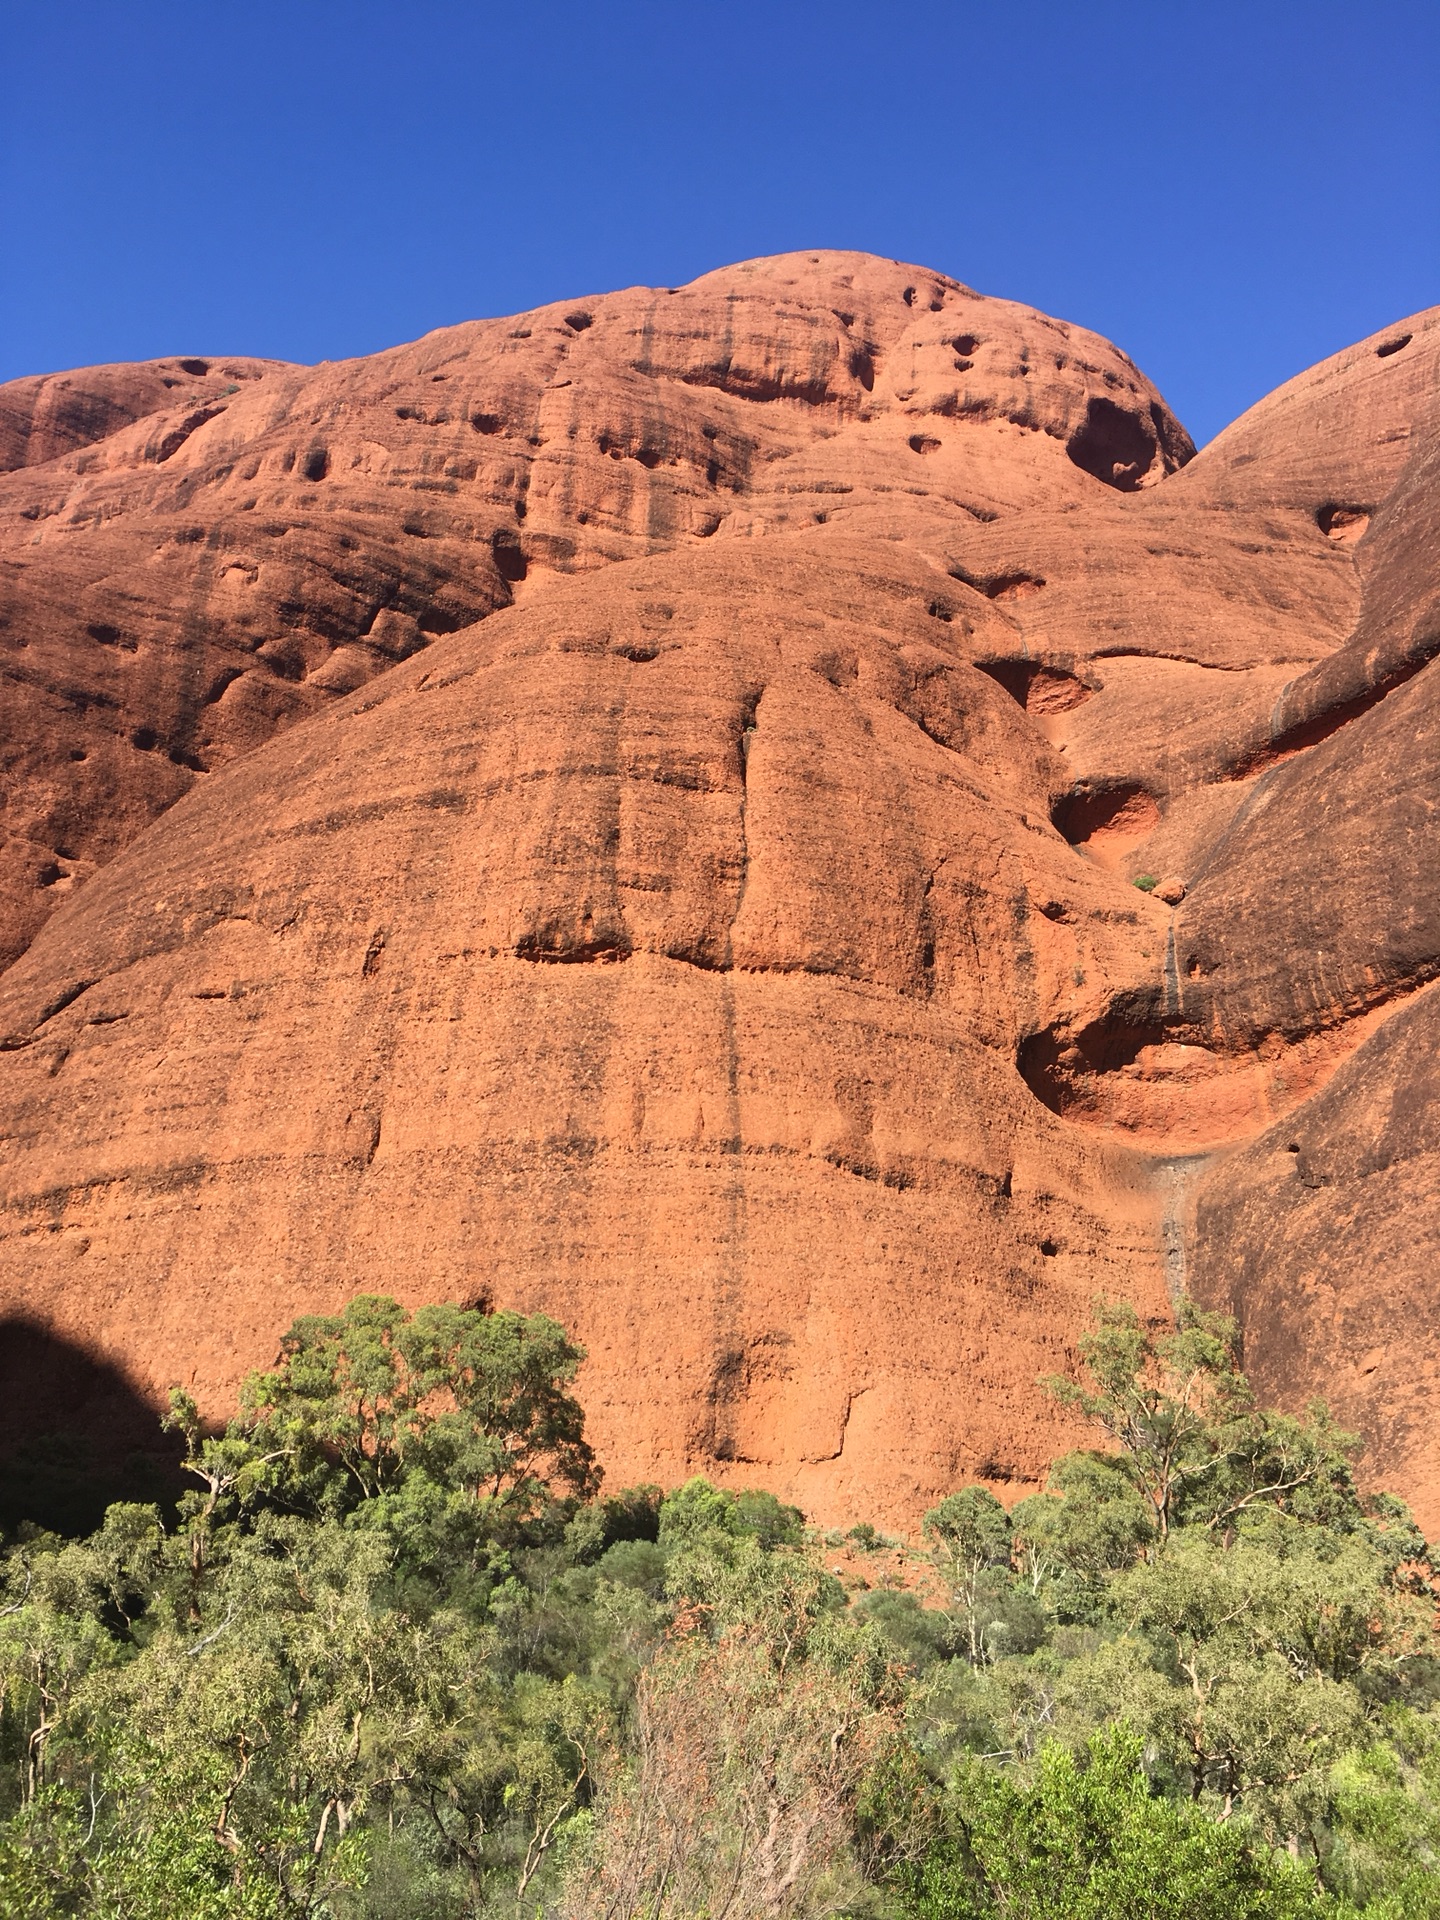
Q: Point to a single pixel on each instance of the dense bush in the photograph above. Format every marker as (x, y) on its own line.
(393, 1656)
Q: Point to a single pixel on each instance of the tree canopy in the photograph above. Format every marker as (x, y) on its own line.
(395, 1654)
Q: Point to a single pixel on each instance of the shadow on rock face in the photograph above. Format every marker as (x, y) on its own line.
(75, 1435)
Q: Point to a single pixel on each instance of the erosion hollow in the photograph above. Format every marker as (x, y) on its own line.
(1061, 1068)
(1037, 688)
(1092, 816)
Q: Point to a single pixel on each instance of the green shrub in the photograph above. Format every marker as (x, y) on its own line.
(1087, 1839)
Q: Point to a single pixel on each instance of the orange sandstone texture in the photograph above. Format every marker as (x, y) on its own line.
(631, 810)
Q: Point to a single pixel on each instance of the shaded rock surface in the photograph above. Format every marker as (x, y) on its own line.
(632, 810)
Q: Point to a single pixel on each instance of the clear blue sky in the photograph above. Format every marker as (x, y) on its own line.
(1230, 189)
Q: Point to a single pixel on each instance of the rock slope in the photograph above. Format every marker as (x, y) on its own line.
(633, 810)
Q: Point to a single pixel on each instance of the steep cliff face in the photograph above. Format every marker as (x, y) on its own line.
(632, 810)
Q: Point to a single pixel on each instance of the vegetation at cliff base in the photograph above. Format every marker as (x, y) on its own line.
(398, 1656)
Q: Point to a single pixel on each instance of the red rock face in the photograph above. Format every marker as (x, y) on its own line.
(632, 810)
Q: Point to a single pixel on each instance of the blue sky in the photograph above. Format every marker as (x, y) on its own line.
(1230, 191)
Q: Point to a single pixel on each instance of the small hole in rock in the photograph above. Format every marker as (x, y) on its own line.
(999, 586)
(109, 636)
(197, 367)
(282, 662)
(1049, 1249)
(317, 463)
(1387, 347)
(1342, 524)
(908, 296)
(226, 677)
(509, 556)
(578, 322)
(923, 443)
(145, 739)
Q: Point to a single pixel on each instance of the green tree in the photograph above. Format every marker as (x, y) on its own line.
(476, 1402)
(698, 1510)
(1189, 1437)
(1086, 1839)
(1384, 1828)
(970, 1537)
(1090, 1522)
(52, 1636)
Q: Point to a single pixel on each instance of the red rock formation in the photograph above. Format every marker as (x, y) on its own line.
(729, 942)
(240, 542)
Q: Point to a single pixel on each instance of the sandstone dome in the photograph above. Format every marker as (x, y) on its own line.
(634, 810)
